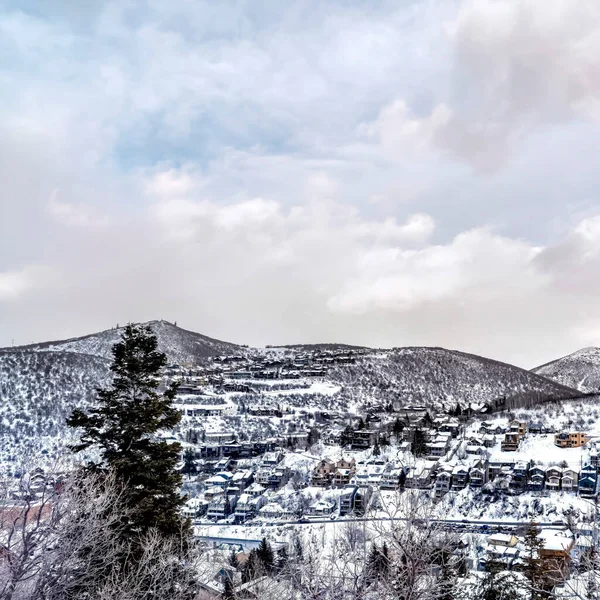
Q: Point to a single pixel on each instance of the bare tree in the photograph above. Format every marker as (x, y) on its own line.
(58, 541)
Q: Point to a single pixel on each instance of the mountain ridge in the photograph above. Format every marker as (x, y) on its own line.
(580, 369)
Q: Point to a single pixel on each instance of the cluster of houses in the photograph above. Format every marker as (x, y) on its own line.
(288, 364)
(507, 551)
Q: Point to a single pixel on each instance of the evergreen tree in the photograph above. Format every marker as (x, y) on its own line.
(398, 427)
(123, 428)
(253, 567)
(228, 589)
(313, 436)
(282, 558)
(266, 555)
(346, 436)
(189, 462)
(376, 449)
(533, 566)
(418, 444)
(233, 560)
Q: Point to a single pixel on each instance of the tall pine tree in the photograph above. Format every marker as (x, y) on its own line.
(123, 427)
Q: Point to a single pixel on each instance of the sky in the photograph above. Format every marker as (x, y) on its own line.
(387, 173)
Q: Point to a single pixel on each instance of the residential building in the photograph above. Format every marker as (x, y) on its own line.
(571, 440)
(588, 481)
(569, 480)
(442, 483)
(553, 478)
(518, 427)
(323, 473)
(460, 477)
(537, 478)
(511, 442)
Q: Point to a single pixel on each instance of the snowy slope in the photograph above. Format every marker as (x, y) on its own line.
(181, 346)
(580, 370)
(438, 378)
(38, 390)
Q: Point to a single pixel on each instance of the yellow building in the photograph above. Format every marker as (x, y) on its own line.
(571, 440)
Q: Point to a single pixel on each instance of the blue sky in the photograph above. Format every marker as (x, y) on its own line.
(386, 173)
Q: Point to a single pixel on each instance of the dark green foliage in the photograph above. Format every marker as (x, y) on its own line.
(123, 428)
(378, 563)
(313, 436)
(376, 449)
(346, 436)
(398, 427)
(228, 589)
(189, 464)
(418, 445)
(266, 555)
(282, 558)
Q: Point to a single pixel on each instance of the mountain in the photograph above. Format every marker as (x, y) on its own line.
(440, 378)
(180, 345)
(580, 370)
(38, 390)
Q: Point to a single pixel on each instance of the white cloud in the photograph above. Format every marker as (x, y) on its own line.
(13, 284)
(75, 214)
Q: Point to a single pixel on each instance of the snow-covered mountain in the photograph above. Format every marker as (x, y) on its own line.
(440, 378)
(38, 391)
(580, 370)
(180, 345)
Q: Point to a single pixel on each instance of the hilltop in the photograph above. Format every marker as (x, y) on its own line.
(440, 378)
(180, 345)
(580, 370)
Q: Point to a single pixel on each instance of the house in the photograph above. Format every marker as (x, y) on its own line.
(442, 483)
(364, 438)
(507, 540)
(271, 510)
(255, 490)
(553, 478)
(501, 550)
(556, 553)
(569, 480)
(518, 427)
(247, 507)
(278, 477)
(391, 478)
(271, 459)
(342, 477)
(323, 473)
(519, 476)
(571, 440)
(220, 508)
(353, 499)
(478, 476)
(219, 480)
(511, 442)
(437, 449)
(588, 481)
(489, 440)
(537, 478)
(321, 508)
(460, 477)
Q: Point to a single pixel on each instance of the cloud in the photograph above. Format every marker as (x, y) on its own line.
(406, 173)
(14, 284)
(75, 215)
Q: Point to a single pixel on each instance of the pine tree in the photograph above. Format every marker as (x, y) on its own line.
(266, 555)
(123, 428)
(189, 462)
(282, 558)
(228, 589)
(418, 444)
(376, 449)
(533, 567)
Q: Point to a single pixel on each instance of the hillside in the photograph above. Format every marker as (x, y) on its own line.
(38, 390)
(180, 345)
(580, 370)
(439, 378)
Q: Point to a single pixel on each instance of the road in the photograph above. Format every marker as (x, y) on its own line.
(462, 523)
